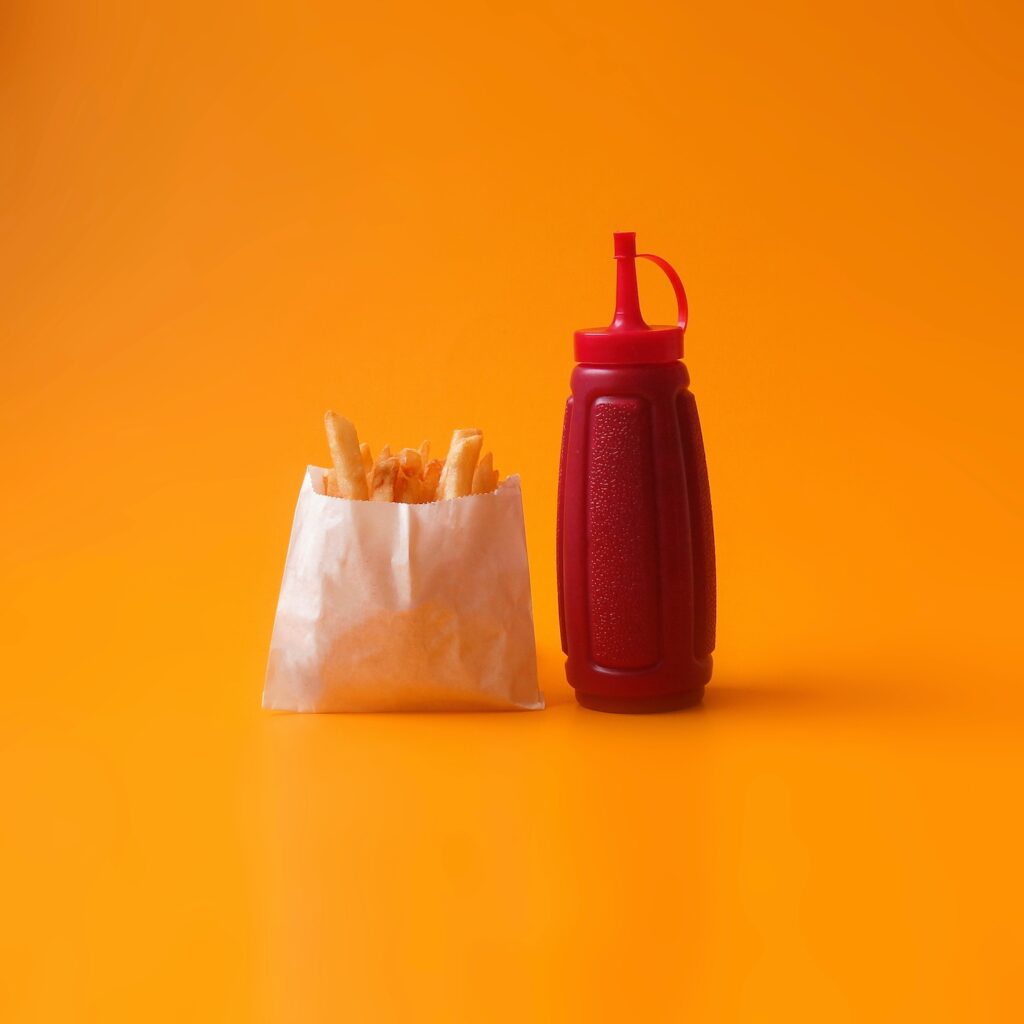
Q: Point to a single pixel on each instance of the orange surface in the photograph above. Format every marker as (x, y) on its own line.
(215, 223)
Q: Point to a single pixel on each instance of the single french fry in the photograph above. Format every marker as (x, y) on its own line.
(457, 475)
(345, 454)
(382, 486)
(467, 432)
(431, 477)
(424, 452)
(482, 475)
(331, 484)
(410, 461)
(385, 454)
(364, 451)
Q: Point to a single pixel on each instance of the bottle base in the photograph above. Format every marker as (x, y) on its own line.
(641, 705)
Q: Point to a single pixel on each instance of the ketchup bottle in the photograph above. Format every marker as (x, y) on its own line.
(636, 546)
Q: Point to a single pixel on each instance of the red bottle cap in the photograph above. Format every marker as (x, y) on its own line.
(628, 338)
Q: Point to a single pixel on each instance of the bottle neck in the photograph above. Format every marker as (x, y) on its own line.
(627, 301)
(620, 378)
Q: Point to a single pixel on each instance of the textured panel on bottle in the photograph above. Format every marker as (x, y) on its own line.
(705, 596)
(622, 536)
(558, 529)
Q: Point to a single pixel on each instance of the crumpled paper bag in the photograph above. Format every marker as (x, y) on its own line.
(394, 607)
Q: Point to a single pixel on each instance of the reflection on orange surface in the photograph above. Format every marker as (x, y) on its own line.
(216, 224)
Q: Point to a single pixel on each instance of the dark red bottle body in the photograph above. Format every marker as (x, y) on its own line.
(636, 561)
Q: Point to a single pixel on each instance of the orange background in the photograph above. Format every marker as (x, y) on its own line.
(216, 223)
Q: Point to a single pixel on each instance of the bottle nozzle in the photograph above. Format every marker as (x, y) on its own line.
(625, 244)
(628, 338)
(627, 299)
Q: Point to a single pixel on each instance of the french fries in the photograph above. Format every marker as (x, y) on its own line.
(331, 484)
(431, 478)
(345, 454)
(382, 480)
(485, 476)
(457, 475)
(410, 477)
(409, 488)
(410, 461)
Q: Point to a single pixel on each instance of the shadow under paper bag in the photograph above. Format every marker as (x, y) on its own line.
(395, 607)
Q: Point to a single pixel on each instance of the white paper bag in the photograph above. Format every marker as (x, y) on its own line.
(394, 607)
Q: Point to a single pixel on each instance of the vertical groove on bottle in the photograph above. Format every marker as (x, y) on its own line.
(622, 536)
(559, 529)
(705, 595)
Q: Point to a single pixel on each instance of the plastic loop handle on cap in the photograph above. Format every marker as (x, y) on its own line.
(677, 286)
(629, 339)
